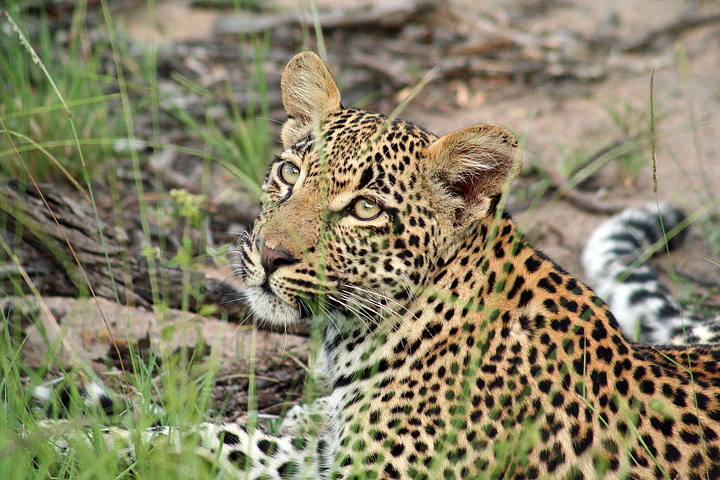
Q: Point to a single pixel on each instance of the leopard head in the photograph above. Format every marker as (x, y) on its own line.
(360, 210)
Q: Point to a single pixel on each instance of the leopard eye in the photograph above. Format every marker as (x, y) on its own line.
(289, 173)
(366, 209)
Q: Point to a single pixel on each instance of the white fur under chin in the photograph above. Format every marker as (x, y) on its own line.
(270, 308)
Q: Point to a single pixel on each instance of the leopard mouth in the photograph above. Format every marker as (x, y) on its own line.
(285, 307)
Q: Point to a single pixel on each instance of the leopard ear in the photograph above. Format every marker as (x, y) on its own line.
(472, 166)
(309, 95)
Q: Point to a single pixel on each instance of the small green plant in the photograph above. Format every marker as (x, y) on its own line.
(188, 210)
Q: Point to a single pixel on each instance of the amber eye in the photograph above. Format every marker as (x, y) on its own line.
(289, 173)
(366, 209)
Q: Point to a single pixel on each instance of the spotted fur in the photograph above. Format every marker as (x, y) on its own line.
(56, 398)
(641, 301)
(452, 348)
(63, 397)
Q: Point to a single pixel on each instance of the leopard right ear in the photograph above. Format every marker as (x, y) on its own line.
(472, 166)
(309, 95)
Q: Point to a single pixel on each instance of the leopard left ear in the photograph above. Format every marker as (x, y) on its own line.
(309, 95)
(472, 166)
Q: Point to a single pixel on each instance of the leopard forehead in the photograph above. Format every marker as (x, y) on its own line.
(355, 149)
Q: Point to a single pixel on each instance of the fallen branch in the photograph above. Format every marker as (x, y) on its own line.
(677, 27)
(50, 244)
(584, 201)
(605, 151)
(587, 201)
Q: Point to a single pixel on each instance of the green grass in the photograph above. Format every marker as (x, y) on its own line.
(50, 98)
(63, 110)
(62, 115)
(244, 150)
(25, 445)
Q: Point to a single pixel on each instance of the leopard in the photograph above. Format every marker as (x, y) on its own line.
(450, 347)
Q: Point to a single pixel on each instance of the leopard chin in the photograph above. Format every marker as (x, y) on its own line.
(272, 309)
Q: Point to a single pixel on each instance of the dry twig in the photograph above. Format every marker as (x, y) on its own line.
(582, 200)
(647, 40)
(387, 14)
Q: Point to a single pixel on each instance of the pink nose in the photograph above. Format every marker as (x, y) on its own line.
(273, 258)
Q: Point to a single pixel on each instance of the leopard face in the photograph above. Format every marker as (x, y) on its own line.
(344, 222)
(357, 211)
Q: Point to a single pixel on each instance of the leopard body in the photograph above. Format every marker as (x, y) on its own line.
(452, 348)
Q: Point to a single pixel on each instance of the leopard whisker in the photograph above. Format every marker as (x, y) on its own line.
(364, 303)
(381, 303)
(358, 313)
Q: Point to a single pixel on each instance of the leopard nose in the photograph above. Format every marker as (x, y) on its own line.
(273, 258)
